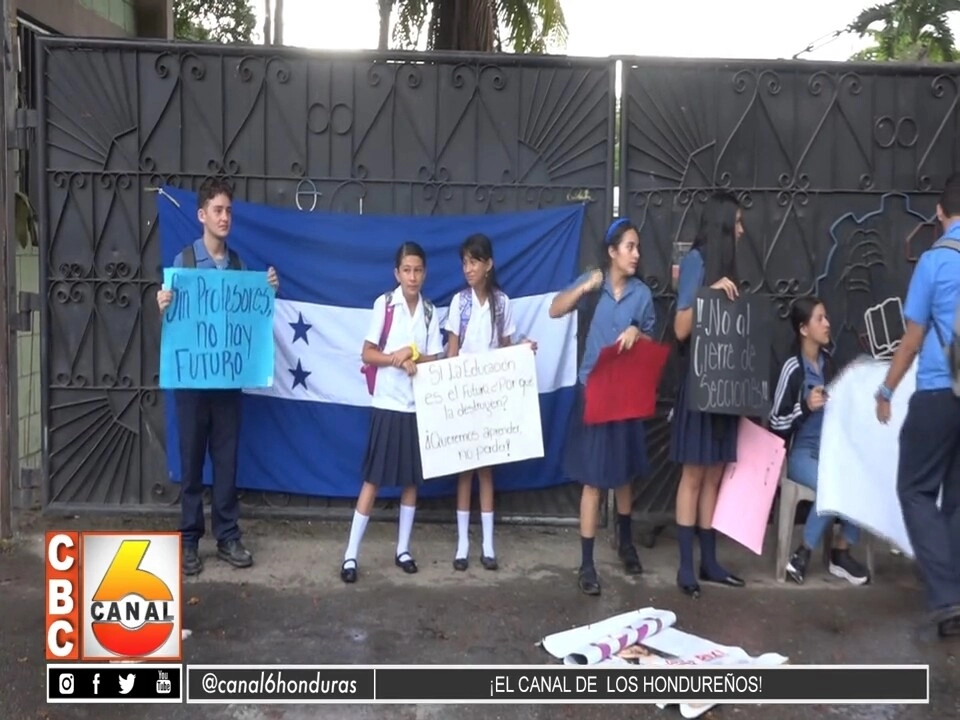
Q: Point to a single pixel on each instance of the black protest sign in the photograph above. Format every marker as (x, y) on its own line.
(730, 354)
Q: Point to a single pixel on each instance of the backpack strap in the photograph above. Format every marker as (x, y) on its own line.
(950, 244)
(427, 314)
(466, 306)
(387, 319)
(189, 257)
(500, 304)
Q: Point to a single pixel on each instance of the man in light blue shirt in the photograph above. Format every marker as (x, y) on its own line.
(930, 436)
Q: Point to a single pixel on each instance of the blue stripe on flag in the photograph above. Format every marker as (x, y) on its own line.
(317, 449)
(348, 260)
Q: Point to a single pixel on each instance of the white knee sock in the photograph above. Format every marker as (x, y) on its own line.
(357, 529)
(406, 527)
(486, 519)
(463, 533)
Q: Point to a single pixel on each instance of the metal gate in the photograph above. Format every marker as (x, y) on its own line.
(837, 165)
(401, 133)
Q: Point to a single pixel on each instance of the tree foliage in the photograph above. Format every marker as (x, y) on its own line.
(223, 21)
(916, 30)
(521, 26)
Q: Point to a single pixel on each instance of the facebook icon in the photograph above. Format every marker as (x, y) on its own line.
(96, 683)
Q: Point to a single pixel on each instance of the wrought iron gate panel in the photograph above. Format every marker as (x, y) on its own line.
(412, 133)
(838, 166)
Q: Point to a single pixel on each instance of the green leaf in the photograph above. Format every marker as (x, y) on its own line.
(223, 21)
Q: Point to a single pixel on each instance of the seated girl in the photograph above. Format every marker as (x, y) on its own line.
(797, 416)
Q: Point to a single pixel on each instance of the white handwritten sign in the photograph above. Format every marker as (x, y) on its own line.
(478, 410)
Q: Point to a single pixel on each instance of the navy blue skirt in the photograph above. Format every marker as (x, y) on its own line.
(604, 456)
(393, 450)
(698, 438)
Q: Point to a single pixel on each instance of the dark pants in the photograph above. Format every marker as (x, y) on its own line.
(929, 463)
(208, 419)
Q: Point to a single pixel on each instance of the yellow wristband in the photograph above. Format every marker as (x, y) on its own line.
(416, 353)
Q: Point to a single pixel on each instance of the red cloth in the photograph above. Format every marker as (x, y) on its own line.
(623, 386)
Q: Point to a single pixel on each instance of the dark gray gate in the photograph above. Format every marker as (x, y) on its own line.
(838, 166)
(413, 133)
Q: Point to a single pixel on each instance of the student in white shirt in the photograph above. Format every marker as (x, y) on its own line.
(404, 332)
(479, 321)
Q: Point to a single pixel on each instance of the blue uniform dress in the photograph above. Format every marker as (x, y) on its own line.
(697, 438)
(612, 454)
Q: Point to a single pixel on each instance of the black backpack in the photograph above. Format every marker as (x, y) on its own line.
(190, 258)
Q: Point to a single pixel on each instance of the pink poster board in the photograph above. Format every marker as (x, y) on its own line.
(748, 486)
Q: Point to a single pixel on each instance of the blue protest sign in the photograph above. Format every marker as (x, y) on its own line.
(218, 331)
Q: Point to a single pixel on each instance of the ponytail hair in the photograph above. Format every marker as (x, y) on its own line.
(801, 311)
(410, 248)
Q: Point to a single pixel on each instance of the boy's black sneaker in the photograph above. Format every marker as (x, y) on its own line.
(797, 567)
(192, 564)
(843, 565)
(235, 553)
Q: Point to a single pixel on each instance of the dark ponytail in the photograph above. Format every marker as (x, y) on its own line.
(410, 248)
(801, 311)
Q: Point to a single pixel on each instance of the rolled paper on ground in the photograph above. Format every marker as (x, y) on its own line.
(632, 634)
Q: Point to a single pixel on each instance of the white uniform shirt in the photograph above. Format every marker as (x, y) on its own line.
(479, 336)
(394, 388)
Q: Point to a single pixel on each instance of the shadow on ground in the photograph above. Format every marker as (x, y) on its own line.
(292, 608)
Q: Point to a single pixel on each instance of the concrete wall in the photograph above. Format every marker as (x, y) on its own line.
(28, 364)
(102, 18)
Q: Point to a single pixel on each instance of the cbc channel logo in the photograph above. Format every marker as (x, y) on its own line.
(66, 683)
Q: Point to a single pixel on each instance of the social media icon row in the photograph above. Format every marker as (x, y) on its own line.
(67, 683)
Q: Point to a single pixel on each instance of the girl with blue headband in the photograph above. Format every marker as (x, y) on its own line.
(610, 455)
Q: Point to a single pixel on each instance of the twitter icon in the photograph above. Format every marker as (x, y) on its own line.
(126, 683)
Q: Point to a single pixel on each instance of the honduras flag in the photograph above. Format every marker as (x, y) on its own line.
(307, 433)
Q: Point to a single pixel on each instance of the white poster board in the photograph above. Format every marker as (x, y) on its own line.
(857, 472)
(478, 410)
(675, 648)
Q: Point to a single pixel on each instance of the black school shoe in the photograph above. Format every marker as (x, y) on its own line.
(949, 628)
(588, 581)
(191, 562)
(631, 560)
(947, 621)
(348, 574)
(234, 553)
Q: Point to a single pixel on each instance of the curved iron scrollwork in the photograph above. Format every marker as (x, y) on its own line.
(348, 134)
(836, 175)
